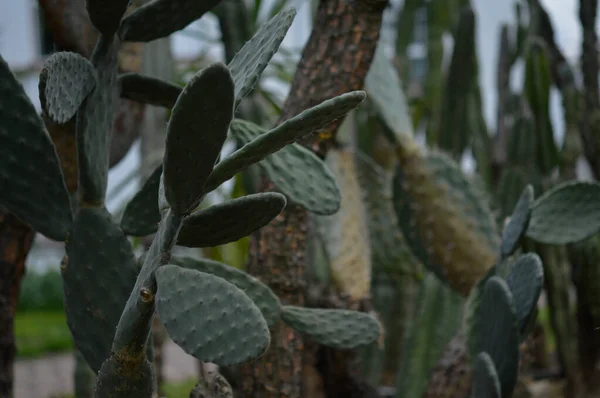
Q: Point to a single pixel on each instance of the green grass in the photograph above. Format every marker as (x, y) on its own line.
(39, 333)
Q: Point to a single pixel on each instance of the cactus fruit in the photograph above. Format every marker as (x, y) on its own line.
(141, 215)
(66, 80)
(148, 90)
(496, 332)
(485, 378)
(263, 297)
(517, 226)
(95, 124)
(31, 182)
(96, 286)
(208, 317)
(161, 18)
(231, 220)
(197, 121)
(342, 329)
(567, 213)
(347, 241)
(316, 189)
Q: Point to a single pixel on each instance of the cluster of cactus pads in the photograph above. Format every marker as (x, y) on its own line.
(214, 312)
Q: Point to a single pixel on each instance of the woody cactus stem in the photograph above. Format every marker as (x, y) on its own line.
(335, 60)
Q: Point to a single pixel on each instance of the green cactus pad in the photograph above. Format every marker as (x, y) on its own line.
(229, 221)
(161, 18)
(390, 250)
(517, 226)
(106, 15)
(495, 331)
(341, 329)
(121, 378)
(568, 213)
(208, 317)
(315, 188)
(95, 123)
(437, 320)
(263, 297)
(525, 280)
(485, 378)
(289, 131)
(66, 80)
(385, 91)
(32, 186)
(148, 90)
(250, 62)
(195, 135)
(141, 216)
(96, 285)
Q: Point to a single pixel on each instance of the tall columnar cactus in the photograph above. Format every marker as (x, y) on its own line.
(213, 312)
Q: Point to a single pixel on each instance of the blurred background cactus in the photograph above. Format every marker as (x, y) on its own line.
(407, 249)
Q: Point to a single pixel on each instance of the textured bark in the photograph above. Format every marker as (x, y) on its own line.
(335, 60)
(15, 241)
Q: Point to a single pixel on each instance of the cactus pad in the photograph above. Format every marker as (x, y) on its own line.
(315, 188)
(96, 284)
(160, 18)
(250, 62)
(120, 378)
(148, 90)
(519, 221)
(385, 91)
(208, 317)
(568, 213)
(32, 186)
(485, 378)
(141, 216)
(525, 281)
(345, 233)
(95, 122)
(390, 250)
(289, 131)
(229, 221)
(195, 135)
(341, 329)
(106, 15)
(263, 297)
(66, 80)
(495, 331)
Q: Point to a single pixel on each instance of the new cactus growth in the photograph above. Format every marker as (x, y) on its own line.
(213, 312)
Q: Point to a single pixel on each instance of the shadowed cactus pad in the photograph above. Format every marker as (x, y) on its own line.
(286, 133)
(495, 331)
(231, 220)
(95, 123)
(315, 188)
(525, 280)
(160, 18)
(98, 277)
(31, 182)
(106, 15)
(342, 329)
(195, 135)
(119, 378)
(519, 221)
(141, 216)
(485, 378)
(249, 63)
(568, 213)
(263, 297)
(66, 80)
(345, 233)
(208, 317)
(148, 90)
